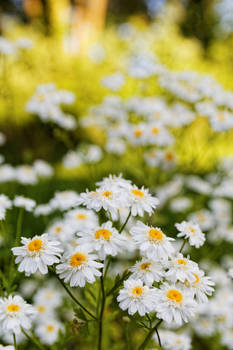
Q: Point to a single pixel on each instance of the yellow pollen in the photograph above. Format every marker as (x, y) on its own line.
(137, 291)
(155, 234)
(221, 117)
(197, 278)
(138, 133)
(41, 98)
(77, 259)
(81, 216)
(157, 115)
(35, 245)
(169, 156)
(50, 328)
(107, 194)
(201, 217)
(174, 294)
(102, 233)
(13, 308)
(58, 229)
(41, 308)
(192, 229)
(138, 193)
(145, 266)
(221, 319)
(182, 262)
(155, 131)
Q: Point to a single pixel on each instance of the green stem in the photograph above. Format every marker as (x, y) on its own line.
(149, 335)
(15, 344)
(101, 312)
(32, 339)
(182, 247)
(71, 295)
(107, 266)
(125, 223)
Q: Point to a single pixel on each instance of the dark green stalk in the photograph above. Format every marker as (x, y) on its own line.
(100, 334)
(182, 247)
(15, 344)
(125, 223)
(72, 296)
(32, 339)
(149, 335)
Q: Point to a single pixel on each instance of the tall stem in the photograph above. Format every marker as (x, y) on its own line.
(15, 344)
(125, 223)
(101, 312)
(149, 335)
(33, 340)
(182, 247)
(72, 296)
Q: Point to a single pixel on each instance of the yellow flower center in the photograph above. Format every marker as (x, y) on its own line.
(192, 229)
(35, 245)
(197, 278)
(41, 308)
(41, 98)
(102, 233)
(182, 262)
(50, 328)
(81, 216)
(201, 217)
(145, 266)
(155, 234)
(107, 194)
(58, 229)
(138, 132)
(137, 291)
(77, 259)
(155, 131)
(13, 308)
(221, 117)
(157, 115)
(169, 156)
(175, 295)
(138, 193)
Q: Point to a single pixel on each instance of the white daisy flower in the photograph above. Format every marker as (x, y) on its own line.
(5, 203)
(44, 310)
(114, 180)
(60, 230)
(48, 330)
(23, 202)
(152, 242)
(181, 269)
(141, 201)
(15, 313)
(80, 219)
(42, 209)
(192, 232)
(37, 253)
(174, 304)
(64, 200)
(26, 175)
(136, 297)
(148, 271)
(43, 168)
(173, 341)
(79, 267)
(107, 197)
(201, 287)
(49, 294)
(105, 240)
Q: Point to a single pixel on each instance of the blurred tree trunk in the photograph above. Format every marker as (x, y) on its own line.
(88, 19)
(39, 8)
